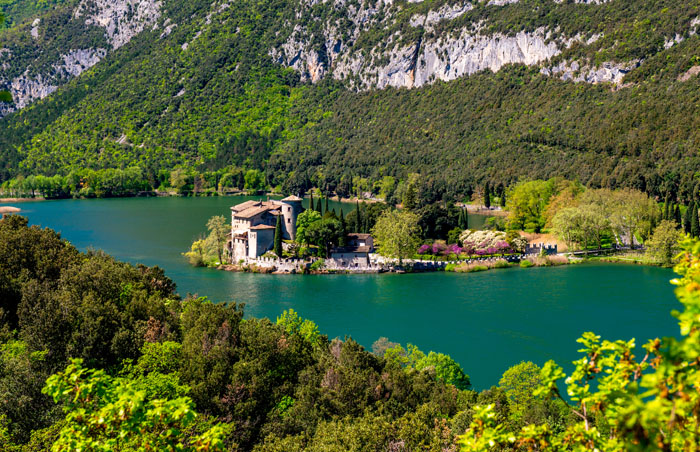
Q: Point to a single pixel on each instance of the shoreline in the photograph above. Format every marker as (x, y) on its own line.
(466, 266)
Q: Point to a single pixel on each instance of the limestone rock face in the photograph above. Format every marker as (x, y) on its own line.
(27, 87)
(401, 62)
(608, 72)
(121, 19)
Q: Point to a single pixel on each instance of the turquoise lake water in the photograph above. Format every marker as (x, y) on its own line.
(486, 321)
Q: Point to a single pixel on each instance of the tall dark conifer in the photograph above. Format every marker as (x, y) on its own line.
(677, 215)
(342, 239)
(311, 200)
(487, 196)
(326, 209)
(687, 218)
(503, 199)
(278, 236)
(319, 206)
(358, 217)
(667, 203)
(694, 224)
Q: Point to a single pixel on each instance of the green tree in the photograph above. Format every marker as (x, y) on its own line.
(694, 222)
(294, 324)
(396, 234)
(324, 234)
(342, 239)
(410, 198)
(487, 196)
(304, 221)
(196, 254)
(319, 206)
(664, 243)
(446, 369)
(386, 187)
(667, 207)
(519, 383)
(278, 236)
(106, 414)
(688, 217)
(254, 180)
(179, 179)
(526, 203)
(218, 235)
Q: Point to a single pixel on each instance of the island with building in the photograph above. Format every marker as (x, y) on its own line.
(252, 240)
(281, 236)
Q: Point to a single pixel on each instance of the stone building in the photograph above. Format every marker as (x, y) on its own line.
(253, 226)
(356, 252)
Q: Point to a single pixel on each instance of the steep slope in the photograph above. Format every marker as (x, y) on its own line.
(313, 91)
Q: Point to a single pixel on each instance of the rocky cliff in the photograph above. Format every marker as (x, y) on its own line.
(439, 43)
(37, 59)
(367, 44)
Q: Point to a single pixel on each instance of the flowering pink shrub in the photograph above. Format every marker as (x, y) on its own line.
(453, 249)
(425, 249)
(438, 248)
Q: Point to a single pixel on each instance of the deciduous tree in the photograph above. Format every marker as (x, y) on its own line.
(396, 234)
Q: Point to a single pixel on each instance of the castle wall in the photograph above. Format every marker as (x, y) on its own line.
(260, 242)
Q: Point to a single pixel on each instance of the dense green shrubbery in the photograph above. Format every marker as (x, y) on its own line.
(273, 386)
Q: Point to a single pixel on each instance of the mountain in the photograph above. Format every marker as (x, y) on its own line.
(323, 92)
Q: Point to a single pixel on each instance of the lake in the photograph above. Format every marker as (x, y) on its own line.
(486, 321)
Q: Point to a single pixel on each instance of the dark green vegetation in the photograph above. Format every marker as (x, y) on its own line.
(273, 386)
(223, 107)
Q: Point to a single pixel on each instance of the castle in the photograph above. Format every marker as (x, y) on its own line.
(253, 226)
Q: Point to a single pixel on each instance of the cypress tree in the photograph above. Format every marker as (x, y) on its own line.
(278, 236)
(311, 200)
(667, 202)
(460, 220)
(503, 199)
(687, 217)
(487, 196)
(326, 209)
(409, 197)
(677, 215)
(466, 218)
(343, 230)
(319, 206)
(358, 217)
(694, 225)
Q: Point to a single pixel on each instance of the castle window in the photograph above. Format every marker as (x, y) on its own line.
(289, 220)
(288, 209)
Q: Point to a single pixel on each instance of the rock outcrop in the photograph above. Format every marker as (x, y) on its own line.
(121, 21)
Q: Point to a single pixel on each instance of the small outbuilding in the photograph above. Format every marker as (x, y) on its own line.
(355, 253)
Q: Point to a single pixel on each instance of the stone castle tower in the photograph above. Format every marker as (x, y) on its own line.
(291, 208)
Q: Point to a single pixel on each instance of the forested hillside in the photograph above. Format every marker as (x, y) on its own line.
(316, 93)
